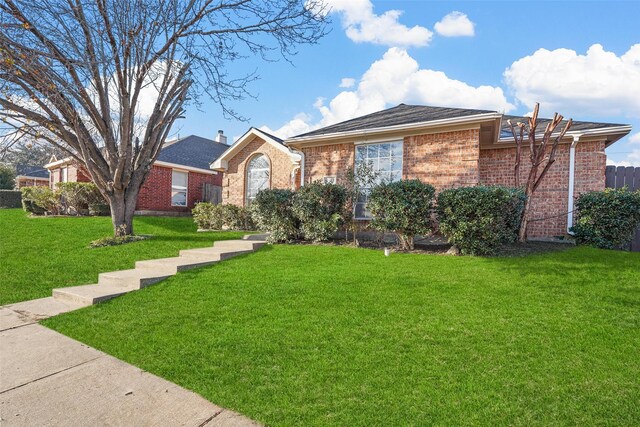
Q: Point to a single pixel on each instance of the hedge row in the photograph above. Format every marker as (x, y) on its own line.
(10, 198)
(222, 217)
(69, 198)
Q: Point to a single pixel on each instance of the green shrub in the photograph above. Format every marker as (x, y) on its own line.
(402, 207)
(40, 200)
(80, 198)
(320, 208)
(7, 178)
(236, 218)
(10, 198)
(607, 219)
(478, 220)
(272, 212)
(208, 216)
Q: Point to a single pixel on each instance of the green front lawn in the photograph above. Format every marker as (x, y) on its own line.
(39, 254)
(312, 335)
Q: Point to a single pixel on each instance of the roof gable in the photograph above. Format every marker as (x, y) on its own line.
(192, 151)
(221, 162)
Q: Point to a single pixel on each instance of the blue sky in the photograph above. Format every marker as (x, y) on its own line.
(577, 58)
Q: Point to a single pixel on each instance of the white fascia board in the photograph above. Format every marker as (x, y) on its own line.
(57, 163)
(32, 177)
(588, 132)
(183, 167)
(222, 162)
(408, 127)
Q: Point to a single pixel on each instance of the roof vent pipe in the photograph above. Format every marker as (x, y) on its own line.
(221, 138)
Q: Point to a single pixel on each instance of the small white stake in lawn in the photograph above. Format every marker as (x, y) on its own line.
(387, 251)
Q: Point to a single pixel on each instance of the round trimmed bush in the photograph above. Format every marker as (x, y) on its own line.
(607, 219)
(320, 208)
(478, 220)
(272, 212)
(402, 207)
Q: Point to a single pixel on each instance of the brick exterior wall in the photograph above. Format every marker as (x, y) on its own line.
(155, 194)
(444, 160)
(550, 200)
(30, 182)
(328, 160)
(233, 182)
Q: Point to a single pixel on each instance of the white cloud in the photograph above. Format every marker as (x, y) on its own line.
(347, 82)
(393, 79)
(301, 123)
(362, 25)
(597, 83)
(455, 24)
(635, 138)
(621, 163)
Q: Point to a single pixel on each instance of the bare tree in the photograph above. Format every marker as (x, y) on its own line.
(542, 152)
(78, 74)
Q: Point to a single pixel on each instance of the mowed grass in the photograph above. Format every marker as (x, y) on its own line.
(317, 336)
(38, 254)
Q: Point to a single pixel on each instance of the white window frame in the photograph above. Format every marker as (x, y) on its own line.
(64, 174)
(376, 167)
(180, 189)
(247, 200)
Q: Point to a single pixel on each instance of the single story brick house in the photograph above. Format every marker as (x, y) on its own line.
(445, 147)
(178, 179)
(31, 176)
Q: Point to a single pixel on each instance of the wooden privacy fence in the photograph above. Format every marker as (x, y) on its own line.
(212, 193)
(618, 177)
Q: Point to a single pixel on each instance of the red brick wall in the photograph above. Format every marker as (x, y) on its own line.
(155, 194)
(233, 182)
(30, 182)
(550, 200)
(328, 160)
(444, 160)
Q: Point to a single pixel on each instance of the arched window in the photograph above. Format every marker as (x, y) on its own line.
(257, 176)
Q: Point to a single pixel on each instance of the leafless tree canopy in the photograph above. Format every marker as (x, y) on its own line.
(541, 152)
(105, 80)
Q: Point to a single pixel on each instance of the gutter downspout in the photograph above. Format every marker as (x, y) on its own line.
(301, 165)
(572, 173)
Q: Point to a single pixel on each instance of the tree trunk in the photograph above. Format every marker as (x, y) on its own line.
(123, 205)
(522, 235)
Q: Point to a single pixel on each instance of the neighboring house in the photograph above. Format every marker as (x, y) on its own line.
(445, 147)
(179, 178)
(31, 176)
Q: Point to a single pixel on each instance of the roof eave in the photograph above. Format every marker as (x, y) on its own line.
(617, 132)
(476, 118)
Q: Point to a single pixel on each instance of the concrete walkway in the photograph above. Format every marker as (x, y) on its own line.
(48, 379)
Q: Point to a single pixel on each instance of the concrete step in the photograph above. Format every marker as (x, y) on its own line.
(89, 294)
(135, 278)
(261, 237)
(250, 245)
(216, 252)
(180, 263)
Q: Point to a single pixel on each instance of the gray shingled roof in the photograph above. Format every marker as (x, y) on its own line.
(400, 115)
(408, 114)
(35, 171)
(272, 136)
(193, 151)
(505, 131)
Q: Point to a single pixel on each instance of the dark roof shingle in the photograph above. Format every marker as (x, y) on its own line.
(193, 151)
(35, 171)
(505, 131)
(400, 115)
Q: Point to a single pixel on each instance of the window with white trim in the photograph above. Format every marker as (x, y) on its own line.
(179, 183)
(258, 176)
(385, 160)
(64, 174)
